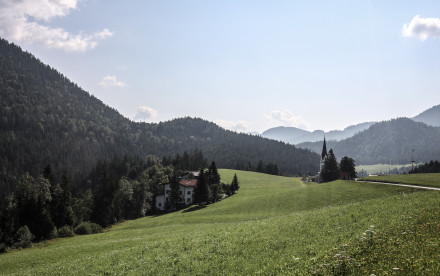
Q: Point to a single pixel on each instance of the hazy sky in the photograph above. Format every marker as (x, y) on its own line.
(246, 65)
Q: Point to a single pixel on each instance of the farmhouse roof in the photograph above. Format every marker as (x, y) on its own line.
(188, 182)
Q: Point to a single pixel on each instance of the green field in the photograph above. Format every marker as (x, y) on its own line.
(274, 225)
(425, 179)
(380, 168)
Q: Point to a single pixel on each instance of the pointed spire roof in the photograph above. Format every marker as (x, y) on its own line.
(324, 150)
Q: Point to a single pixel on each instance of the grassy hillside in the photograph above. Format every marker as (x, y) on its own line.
(273, 225)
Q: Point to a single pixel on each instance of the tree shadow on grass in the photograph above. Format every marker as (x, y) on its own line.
(158, 214)
(194, 208)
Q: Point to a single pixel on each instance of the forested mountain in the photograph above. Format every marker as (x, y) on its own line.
(388, 141)
(430, 117)
(47, 119)
(295, 135)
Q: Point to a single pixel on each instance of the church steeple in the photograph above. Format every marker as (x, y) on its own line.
(323, 156)
(324, 150)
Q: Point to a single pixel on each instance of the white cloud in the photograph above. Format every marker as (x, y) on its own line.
(109, 81)
(20, 21)
(240, 126)
(287, 118)
(144, 113)
(422, 28)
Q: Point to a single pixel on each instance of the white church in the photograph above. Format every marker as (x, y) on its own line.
(324, 155)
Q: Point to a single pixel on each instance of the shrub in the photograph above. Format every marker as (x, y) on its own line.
(96, 228)
(86, 228)
(65, 231)
(23, 237)
(83, 229)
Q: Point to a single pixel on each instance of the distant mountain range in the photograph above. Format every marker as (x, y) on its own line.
(387, 142)
(293, 135)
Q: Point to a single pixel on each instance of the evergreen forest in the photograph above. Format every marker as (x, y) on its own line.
(47, 119)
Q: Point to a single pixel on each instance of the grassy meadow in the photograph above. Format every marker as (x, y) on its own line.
(274, 225)
(424, 179)
(380, 168)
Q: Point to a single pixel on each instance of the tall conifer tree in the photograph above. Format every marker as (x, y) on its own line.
(203, 192)
(330, 170)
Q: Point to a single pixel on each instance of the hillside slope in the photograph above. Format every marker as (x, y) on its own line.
(47, 119)
(388, 141)
(274, 225)
(430, 117)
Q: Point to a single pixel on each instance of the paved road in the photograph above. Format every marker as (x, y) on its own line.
(403, 185)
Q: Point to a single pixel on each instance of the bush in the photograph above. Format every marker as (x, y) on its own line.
(86, 228)
(83, 229)
(23, 237)
(65, 231)
(96, 228)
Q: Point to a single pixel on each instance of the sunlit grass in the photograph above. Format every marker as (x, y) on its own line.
(274, 225)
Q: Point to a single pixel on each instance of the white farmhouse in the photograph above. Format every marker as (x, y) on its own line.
(186, 193)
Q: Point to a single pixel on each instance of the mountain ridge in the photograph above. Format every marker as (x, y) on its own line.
(47, 119)
(294, 135)
(430, 116)
(387, 142)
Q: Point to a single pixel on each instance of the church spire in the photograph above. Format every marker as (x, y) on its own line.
(324, 150)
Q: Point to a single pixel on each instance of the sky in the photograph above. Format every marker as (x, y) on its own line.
(245, 65)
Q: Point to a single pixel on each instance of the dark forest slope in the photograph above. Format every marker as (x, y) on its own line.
(45, 118)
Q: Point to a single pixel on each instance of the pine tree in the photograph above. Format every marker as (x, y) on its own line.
(213, 175)
(235, 185)
(174, 195)
(347, 168)
(202, 192)
(47, 173)
(260, 166)
(330, 170)
(104, 198)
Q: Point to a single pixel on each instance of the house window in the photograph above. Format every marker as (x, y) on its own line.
(180, 192)
(189, 192)
(188, 200)
(160, 204)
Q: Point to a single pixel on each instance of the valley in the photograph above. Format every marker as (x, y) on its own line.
(295, 228)
(219, 138)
